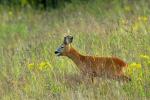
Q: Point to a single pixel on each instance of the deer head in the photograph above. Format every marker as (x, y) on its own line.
(64, 48)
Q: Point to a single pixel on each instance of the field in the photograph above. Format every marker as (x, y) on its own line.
(29, 69)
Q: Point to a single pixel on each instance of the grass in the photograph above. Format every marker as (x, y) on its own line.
(29, 69)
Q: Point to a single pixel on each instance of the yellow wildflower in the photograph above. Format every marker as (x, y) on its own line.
(145, 56)
(133, 64)
(143, 18)
(136, 65)
(31, 66)
(43, 65)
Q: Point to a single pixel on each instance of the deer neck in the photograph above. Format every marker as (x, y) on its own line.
(74, 56)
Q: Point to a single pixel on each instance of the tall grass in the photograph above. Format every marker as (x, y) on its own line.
(30, 70)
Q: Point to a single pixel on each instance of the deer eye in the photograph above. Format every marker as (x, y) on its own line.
(62, 46)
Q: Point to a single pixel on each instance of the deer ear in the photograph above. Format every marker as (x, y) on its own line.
(68, 39)
(71, 39)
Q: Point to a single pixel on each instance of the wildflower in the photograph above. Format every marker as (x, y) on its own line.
(133, 64)
(136, 65)
(143, 18)
(145, 56)
(31, 66)
(42, 65)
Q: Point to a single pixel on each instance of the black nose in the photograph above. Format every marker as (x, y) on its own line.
(56, 52)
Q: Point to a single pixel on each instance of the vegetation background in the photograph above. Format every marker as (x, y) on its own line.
(31, 30)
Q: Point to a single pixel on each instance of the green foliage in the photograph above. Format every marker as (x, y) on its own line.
(29, 69)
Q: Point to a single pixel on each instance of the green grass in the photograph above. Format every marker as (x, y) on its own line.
(31, 37)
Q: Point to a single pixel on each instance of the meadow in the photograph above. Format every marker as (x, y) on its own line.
(29, 69)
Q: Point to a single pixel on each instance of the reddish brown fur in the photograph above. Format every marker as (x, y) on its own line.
(110, 67)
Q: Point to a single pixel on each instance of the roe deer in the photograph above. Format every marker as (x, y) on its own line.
(109, 67)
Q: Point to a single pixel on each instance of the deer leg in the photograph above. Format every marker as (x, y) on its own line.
(124, 78)
(93, 74)
(121, 76)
